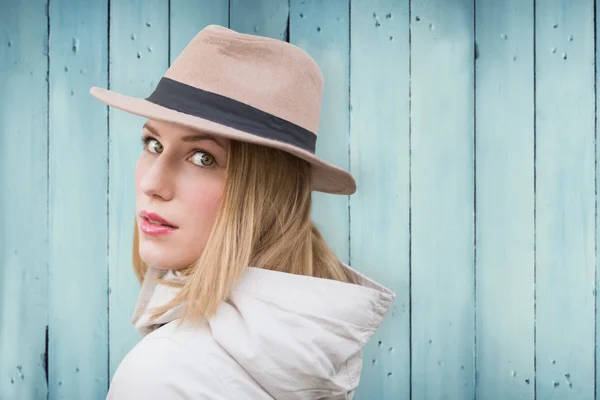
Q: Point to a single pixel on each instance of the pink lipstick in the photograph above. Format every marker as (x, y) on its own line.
(155, 225)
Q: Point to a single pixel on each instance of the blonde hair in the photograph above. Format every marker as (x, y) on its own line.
(263, 221)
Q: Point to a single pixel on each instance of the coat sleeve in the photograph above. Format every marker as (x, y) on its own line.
(161, 368)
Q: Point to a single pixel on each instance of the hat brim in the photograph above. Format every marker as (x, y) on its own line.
(325, 177)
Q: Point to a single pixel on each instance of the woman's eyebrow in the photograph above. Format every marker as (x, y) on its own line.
(188, 138)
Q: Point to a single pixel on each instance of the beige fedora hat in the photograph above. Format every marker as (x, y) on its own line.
(247, 88)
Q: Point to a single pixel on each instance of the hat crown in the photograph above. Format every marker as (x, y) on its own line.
(268, 74)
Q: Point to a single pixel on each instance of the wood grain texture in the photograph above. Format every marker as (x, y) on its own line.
(442, 205)
(188, 17)
(565, 203)
(379, 211)
(321, 29)
(476, 198)
(139, 43)
(505, 200)
(78, 298)
(597, 172)
(260, 17)
(23, 199)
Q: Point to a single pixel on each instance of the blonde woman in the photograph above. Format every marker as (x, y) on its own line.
(241, 297)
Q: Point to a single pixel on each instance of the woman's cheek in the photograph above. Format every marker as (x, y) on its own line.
(140, 169)
(204, 201)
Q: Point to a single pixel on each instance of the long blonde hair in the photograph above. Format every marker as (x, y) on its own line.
(263, 221)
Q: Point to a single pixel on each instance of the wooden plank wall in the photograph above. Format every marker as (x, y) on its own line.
(77, 202)
(505, 319)
(24, 312)
(379, 160)
(565, 199)
(442, 183)
(470, 127)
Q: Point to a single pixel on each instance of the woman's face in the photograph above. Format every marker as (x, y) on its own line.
(180, 178)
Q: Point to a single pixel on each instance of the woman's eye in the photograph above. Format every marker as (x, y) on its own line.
(203, 159)
(153, 145)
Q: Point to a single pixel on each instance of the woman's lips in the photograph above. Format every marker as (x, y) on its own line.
(154, 230)
(155, 225)
(155, 218)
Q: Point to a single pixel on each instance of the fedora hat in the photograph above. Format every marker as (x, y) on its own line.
(247, 88)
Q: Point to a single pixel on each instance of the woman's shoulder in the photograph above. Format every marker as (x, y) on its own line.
(180, 362)
(160, 367)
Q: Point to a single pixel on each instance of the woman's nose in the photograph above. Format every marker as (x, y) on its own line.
(158, 180)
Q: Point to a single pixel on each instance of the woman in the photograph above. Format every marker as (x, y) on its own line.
(241, 297)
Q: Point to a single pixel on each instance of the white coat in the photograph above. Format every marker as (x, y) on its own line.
(280, 336)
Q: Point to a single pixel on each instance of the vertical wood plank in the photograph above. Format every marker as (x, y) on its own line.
(23, 199)
(321, 29)
(597, 177)
(442, 185)
(260, 17)
(188, 17)
(379, 211)
(565, 203)
(139, 47)
(505, 200)
(78, 299)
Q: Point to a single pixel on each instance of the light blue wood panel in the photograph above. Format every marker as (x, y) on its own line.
(23, 199)
(78, 175)
(505, 200)
(260, 17)
(379, 211)
(597, 283)
(442, 205)
(139, 41)
(188, 17)
(321, 29)
(565, 199)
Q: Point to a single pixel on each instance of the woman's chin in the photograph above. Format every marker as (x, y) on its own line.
(157, 256)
